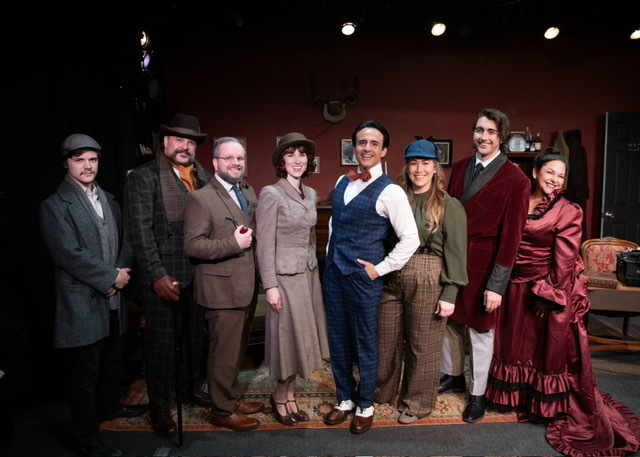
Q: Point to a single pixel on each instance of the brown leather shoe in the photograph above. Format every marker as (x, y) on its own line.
(361, 424)
(336, 416)
(237, 422)
(202, 398)
(163, 424)
(249, 407)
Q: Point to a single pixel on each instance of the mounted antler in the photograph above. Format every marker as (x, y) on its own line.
(335, 110)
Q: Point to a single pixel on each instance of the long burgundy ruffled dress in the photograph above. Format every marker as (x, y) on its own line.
(542, 366)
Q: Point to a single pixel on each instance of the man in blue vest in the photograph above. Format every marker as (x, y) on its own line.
(368, 211)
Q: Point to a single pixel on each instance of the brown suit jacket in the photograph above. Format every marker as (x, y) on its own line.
(225, 275)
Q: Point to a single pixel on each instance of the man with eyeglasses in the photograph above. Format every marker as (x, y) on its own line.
(153, 201)
(219, 221)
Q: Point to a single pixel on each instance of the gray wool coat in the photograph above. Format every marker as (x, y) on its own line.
(82, 274)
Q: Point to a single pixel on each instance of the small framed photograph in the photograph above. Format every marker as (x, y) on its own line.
(347, 156)
(316, 162)
(446, 152)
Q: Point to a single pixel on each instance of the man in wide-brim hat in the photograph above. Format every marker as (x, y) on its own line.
(184, 126)
(153, 203)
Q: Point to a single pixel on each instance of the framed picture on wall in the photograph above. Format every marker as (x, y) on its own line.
(446, 152)
(347, 157)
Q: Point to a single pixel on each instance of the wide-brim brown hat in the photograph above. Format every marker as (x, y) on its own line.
(292, 139)
(184, 126)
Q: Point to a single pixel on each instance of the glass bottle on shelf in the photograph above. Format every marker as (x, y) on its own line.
(528, 139)
(537, 142)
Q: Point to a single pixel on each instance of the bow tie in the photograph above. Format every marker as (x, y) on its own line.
(353, 175)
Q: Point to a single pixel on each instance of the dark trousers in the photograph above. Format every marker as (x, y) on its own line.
(96, 375)
(160, 347)
(352, 303)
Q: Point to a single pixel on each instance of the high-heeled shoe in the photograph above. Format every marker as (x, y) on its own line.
(300, 415)
(286, 419)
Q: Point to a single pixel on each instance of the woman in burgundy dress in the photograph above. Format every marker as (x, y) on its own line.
(541, 366)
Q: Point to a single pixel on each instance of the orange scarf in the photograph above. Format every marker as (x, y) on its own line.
(188, 176)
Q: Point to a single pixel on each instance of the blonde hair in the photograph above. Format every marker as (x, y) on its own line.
(433, 206)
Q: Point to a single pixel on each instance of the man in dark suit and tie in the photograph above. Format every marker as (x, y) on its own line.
(219, 220)
(495, 196)
(82, 227)
(153, 202)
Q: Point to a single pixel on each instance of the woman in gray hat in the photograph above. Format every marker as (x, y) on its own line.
(417, 299)
(296, 329)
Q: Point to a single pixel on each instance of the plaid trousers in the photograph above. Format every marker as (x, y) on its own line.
(411, 333)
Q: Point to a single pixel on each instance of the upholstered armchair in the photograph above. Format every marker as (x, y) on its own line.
(600, 257)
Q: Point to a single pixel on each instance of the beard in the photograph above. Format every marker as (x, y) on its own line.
(230, 179)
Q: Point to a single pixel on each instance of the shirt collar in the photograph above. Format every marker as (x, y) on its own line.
(376, 171)
(224, 183)
(488, 161)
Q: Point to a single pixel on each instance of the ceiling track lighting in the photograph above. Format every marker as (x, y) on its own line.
(551, 33)
(438, 28)
(348, 28)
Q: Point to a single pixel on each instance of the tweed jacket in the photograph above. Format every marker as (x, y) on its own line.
(225, 275)
(158, 247)
(286, 233)
(82, 274)
(496, 215)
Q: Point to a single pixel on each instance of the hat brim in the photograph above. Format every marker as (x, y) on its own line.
(310, 145)
(199, 138)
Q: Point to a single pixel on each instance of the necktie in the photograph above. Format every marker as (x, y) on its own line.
(353, 175)
(188, 176)
(241, 199)
(477, 171)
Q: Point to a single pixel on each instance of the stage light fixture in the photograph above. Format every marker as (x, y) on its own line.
(635, 35)
(438, 28)
(144, 40)
(551, 33)
(348, 28)
(146, 60)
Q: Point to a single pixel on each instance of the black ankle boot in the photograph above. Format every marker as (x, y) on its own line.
(455, 383)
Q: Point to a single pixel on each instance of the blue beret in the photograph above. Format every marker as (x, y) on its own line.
(422, 149)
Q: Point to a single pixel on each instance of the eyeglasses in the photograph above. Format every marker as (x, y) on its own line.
(227, 159)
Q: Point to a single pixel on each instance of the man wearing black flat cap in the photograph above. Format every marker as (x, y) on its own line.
(82, 227)
(153, 204)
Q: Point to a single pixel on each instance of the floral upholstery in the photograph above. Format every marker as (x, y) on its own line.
(601, 255)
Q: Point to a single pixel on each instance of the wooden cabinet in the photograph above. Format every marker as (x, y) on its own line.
(524, 160)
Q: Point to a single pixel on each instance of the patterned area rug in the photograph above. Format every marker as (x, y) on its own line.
(316, 396)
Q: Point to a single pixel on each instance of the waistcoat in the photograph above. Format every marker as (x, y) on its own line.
(357, 230)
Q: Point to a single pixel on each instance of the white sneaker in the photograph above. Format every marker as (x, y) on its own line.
(346, 405)
(365, 412)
